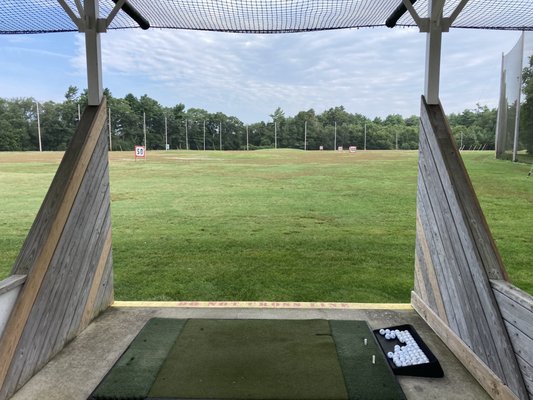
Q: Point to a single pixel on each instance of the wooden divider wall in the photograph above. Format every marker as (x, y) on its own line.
(517, 311)
(67, 258)
(455, 257)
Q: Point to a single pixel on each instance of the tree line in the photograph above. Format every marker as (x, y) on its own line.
(198, 129)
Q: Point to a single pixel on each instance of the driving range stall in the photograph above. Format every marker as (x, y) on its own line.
(63, 277)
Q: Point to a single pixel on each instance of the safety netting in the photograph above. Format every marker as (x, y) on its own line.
(510, 110)
(261, 16)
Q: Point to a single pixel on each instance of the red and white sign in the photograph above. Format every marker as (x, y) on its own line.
(353, 149)
(139, 152)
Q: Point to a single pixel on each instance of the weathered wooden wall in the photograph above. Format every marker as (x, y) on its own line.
(517, 311)
(455, 258)
(67, 258)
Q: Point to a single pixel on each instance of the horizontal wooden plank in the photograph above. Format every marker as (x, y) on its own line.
(512, 292)
(527, 373)
(11, 282)
(522, 343)
(494, 386)
(513, 313)
(516, 307)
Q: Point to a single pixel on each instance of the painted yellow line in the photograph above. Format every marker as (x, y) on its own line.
(263, 304)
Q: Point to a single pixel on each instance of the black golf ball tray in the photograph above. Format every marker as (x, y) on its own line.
(430, 369)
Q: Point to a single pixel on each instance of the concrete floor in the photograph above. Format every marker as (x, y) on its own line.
(76, 371)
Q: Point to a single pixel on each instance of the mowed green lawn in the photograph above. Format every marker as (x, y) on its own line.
(281, 225)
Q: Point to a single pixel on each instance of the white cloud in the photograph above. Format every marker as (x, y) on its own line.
(375, 72)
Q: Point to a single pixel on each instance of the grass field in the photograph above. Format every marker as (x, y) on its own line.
(280, 225)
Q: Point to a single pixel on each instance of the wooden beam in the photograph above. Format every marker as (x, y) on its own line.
(11, 282)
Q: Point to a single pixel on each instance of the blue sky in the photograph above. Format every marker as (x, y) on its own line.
(372, 71)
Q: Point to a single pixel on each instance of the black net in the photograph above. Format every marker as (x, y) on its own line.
(261, 16)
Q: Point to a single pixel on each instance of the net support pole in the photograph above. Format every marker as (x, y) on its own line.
(95, 88)
(90, 23)
(502, 108)
(433, 52)
(517, 115)
(434, 25)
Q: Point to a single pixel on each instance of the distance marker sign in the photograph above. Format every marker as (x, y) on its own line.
(139, 152)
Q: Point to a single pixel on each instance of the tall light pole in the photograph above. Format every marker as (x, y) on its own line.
(335, 141)
(396, 140)
(275, 135)
(204, 135)
(109, 129)
(247, 147)
(79, 112)
(365, 137)
(305, 136)
(39, 127)
(187, 134)
(220, 134)
(144, 131)
(166, 134)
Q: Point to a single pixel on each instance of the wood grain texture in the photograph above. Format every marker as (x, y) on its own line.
(62, 286)
(462, 261)
(527, 373)
(11, 282)
(66, 253)
(458, 255)
(494, 386)
(516, 307)
(105, 296)
(423, 252)
(87, 314)
(515, 313)
(434, 218)
(433, 115)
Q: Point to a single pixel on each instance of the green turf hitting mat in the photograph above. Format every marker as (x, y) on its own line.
(251, 359)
